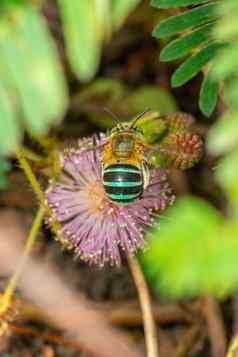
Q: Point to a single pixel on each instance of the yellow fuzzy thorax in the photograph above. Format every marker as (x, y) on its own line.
(135, 158)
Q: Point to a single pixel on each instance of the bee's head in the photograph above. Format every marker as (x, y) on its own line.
(129, 127)
(125, 127)
(124, 137)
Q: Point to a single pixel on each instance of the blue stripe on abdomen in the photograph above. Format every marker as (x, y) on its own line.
(122, 169)
(123, 183)
(123, 196)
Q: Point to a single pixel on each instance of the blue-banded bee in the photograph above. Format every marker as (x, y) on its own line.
(125, 170)
(128, 155)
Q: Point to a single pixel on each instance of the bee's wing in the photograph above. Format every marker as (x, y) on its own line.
(93, 143)
(146, 173)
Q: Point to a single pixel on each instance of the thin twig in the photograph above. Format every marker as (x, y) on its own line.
(124, 314)
(146, 307)
(233, 348)
(187, 341)
(235, 315)
(215, 325)
(57, 339)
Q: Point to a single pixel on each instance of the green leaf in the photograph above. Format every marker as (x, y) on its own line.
(32, 68)
(227, 27)
(157, 99)
(121, 9)
(113, 94)
(227, 8)
(86, 24)
(186, 20)
(230, 92)
(226, 62)
(194, 64)
(182, 46)
(226, 175)
(223, 137)
(83, 34)
(182, 259)
(208, 94)
(10, 131)
(167, 4)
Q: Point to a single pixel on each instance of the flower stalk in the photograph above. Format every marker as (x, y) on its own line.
(151, 339)
(11, 286)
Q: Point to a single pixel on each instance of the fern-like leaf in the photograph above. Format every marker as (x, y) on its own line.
(166, 4)
(187, 20)
(194, 64)
(183, 45)
(193, 251)
(208, 94)
(196, 43)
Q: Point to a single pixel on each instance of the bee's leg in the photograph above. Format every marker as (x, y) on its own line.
(97, 146)
(152, 148)
(146, 174)
(91, 144)
(163, 148)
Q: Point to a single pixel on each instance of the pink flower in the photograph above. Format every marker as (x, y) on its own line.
(88, 221)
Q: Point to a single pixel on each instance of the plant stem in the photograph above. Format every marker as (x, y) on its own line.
(11, 286)
(31, 155)
(9, 291)
(146, 307)
(30, 175)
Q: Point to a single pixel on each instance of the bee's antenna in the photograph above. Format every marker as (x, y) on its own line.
(113, 115)
(139, 116)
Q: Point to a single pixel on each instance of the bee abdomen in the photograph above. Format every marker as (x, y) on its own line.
(123, 183)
